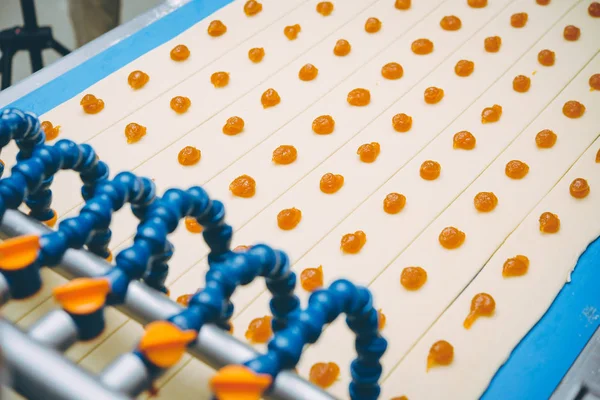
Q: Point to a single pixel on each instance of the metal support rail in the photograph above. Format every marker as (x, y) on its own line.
(213, 346)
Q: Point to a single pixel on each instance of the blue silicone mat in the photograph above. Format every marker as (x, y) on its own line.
(541, 359)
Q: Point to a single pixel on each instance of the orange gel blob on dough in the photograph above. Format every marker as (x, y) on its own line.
(491, 114)
(594, 9)
(464, 68)
(189, 155)
(233, 126)
(252, 7)
(243, 186)
(91, 104)
(516, 266)
(137, 79)
(311, 279)
(256, 54)
(192, 225)
(477, 3)
(450, 23)
(259, 330)
(308, 72)
(180, 104)
(545, 139)
(331, 183)
(451, 238)
(359, 97)
(546, 58)
(402, 4)
(440, 354)
(289, 218)
(180, 53)
(482, 305)
(413, 278)
(573, 109)
(492, 44)
(270, 98)
(422, 46)
(219, 79)
(372, 25)
(134, 132)
(543, 2)
(595, 82)
(216, 28)
(579, 188)
(521, 83)
(485, 201)
(324, 374)
(433, 95)
(430, 170)
(516, 169)
(571, 33)
(325, 8)
(368, 152)
(284, 154)
(394, 203)
(342, 48)
(392, 71)
(292, 31)
(323, 125)
(50, 131)
(549, 223)
(352, 243)
(518, 20)
(402, 122)
(464, 140)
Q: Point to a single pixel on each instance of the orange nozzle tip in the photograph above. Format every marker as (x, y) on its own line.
(52, 221)
(236, 382)
(82, 296)
(19, 252)
(164, 343)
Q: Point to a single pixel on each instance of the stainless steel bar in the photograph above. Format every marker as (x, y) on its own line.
(143, 304)
(39, 373)
(56, 330)
(127, 374)
(4, 291)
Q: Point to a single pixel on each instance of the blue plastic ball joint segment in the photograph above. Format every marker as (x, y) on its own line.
(84, 299)
(19, 265)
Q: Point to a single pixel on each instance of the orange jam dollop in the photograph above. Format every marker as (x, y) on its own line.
(422, 46)
(233, 126)
(292, 31)
(440, 354)
(342, 48)
(546, 58)
(402, 4)
(368, 152)
(372, 25)
(549, 223)
(270, 98)
(284, 154)
(492, 44)
(180, 104)
(381, 320)
(189, 155)
(192, 225)
(392, 71)
(359, 97)
(325, 8)
(323, 125)
(433, 95)
(91, 104)
(491, 114)
(311, 279)
(573, 109)
(594, 9)
(216, 28)
(464, 140)
(252, 7)
(521, 83)
(430, 170)
(402, 122)
(134, 132)
(50, 131)
(595, 82)
(331, 183)
(451, 238)
(545, 139)
(259, 330)
(482, 305)
(464, 68)
(289, 218)
(352, 243)
(516, 266)
(243, 186)
(324, 374)
(571, 33)
(308, 72)
(450, 23)
(256, 54)
(516, 169)
(485, 201)
(137, 79)
(180, 53)
(477, 3)
(394, 203)
(518, 20)
(579, 188)
(413, 278)
(219, 79)
(184, 299)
